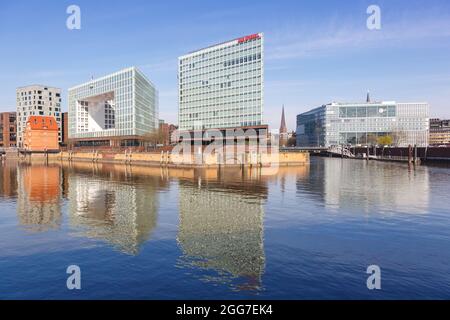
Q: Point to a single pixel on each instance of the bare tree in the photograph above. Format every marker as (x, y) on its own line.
(398, 137)
(154, 137)
(371, 139)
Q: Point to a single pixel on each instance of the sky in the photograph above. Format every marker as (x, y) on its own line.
(316, 51)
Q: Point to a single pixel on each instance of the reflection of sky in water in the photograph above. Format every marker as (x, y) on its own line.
(355, 185)
(159, 233)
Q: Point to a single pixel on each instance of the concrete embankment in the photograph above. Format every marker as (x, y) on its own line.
(187, 160)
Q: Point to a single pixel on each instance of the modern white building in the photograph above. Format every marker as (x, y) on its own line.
(37, 100)
(114, 110)
(222, 86)
(363, 123)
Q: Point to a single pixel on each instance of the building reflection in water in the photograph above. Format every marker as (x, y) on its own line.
(221, 227)
(38, 197)
(112, 203)
(8, 180)
(380, 186)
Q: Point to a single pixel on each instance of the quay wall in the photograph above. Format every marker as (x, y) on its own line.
(425, 154)
(284, 158)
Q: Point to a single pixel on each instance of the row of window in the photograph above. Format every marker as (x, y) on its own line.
(367, 112)
(221, 51)
(189, 126)
(242, 60)
(217, 73)
(251, 78)
(41, 113)
(24, 93)
(219, 61)
(219, 93)
(230, 105)
(236, 97)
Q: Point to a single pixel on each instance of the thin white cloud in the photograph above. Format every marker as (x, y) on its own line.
(325, 41)
(165, 65)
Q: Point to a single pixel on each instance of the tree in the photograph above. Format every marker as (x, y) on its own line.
(292, 141)
(399, 137)
(154, 137)
(385, 140)
(371, 139)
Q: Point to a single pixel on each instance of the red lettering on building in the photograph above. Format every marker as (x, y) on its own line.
(248, 38)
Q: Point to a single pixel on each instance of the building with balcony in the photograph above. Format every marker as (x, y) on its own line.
(37, 100)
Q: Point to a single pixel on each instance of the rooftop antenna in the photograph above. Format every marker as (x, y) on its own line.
(92, 79)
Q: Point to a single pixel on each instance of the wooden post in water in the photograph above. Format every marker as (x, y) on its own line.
(409, 154)
(415, 154)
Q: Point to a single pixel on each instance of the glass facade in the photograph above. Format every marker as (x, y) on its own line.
(121, 104)
(222, 86)
(362, 124)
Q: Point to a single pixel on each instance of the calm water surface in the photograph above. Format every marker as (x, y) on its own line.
(307, 232)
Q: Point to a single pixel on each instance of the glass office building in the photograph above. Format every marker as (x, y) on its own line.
(222, 86)
(362, 124)
(118, 108)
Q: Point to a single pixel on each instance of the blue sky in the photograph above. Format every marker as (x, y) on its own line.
(315, 51)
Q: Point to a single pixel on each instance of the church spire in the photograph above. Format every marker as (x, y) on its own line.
(283, 128)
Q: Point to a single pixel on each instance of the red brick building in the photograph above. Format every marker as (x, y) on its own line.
(41, 134)
(8, 130)
(166, 132)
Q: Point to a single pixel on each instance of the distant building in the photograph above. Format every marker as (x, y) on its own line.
(65, 128)
(363, 123)
(166, 132)
(221, 86)
(37, 100)
(439, 132)
(8, 130)
(41, 134)
(117, 110)
(283, 131)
